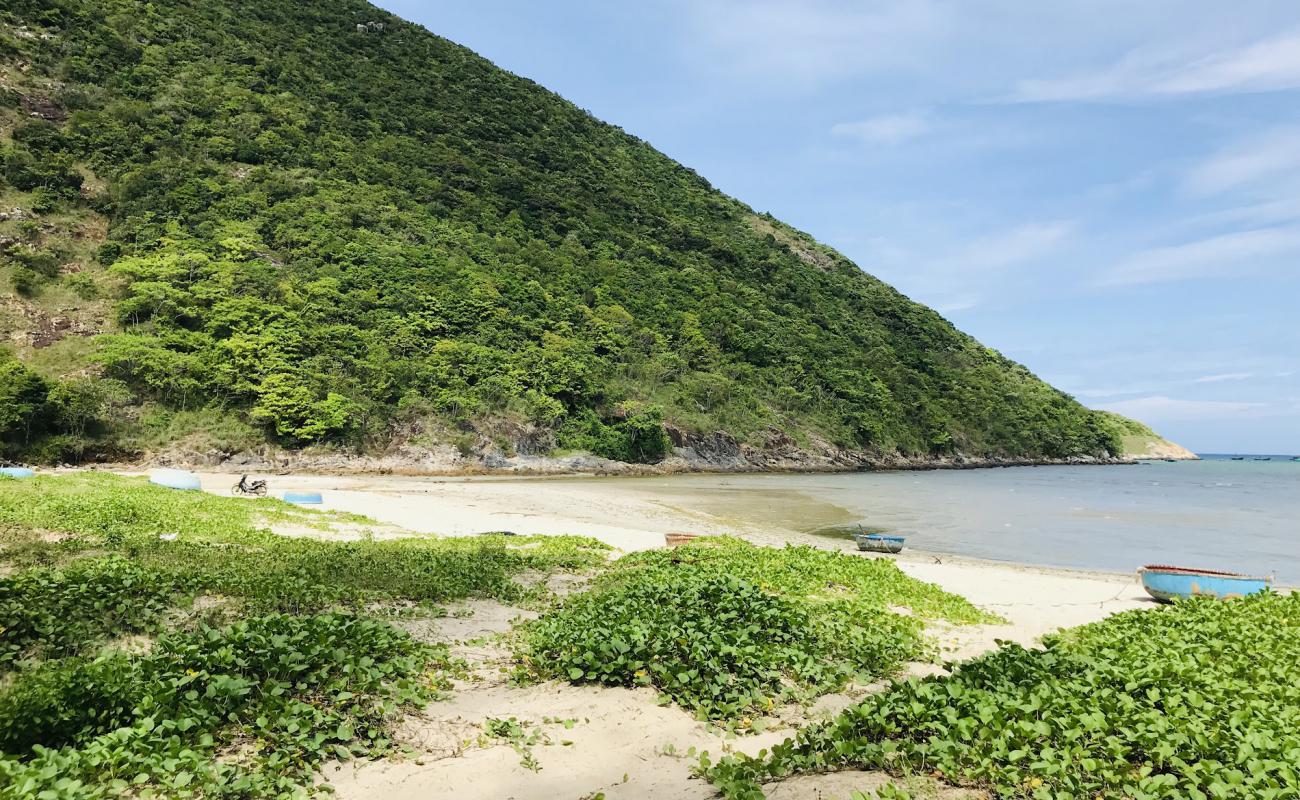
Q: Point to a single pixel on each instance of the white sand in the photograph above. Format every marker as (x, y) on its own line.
(618, 745)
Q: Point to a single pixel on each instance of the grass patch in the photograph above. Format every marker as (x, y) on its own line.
(728, 630)
(112, 508)
(1199, 700)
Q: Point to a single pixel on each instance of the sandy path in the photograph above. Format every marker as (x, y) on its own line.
(623, 744)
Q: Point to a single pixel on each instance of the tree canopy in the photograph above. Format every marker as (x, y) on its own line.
(329, 226)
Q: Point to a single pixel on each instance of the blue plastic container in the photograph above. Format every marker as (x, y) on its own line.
(1179, 583)
(175, 479)
(16, 472)
(304, 498)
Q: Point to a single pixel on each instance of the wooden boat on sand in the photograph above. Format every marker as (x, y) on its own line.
(1166, 583)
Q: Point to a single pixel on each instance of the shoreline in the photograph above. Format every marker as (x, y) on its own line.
(536, 467)
(618, 512)
(580, 503)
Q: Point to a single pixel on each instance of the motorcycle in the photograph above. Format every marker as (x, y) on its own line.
(257, 488)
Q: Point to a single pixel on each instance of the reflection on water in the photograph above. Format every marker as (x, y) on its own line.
(1236, 515)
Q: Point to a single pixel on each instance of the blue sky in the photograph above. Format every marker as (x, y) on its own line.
(1108, 192)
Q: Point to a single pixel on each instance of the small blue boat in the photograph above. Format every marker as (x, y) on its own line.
(181, 479)
(304, 498)
(879, 542)
(1167, 583)
(16, 472)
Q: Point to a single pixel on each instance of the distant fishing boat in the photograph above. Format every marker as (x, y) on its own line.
(879, 542)
(1261, 459)
(1238, 458)
(1167, 583)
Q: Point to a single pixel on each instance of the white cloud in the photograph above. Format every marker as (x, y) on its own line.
(1269, 212)
(956, 304)
(1013, 246)
(1110, 392)
(886, 129)
(1264, 157)
(1227, 376)
(1159, 408)
(1264, 65)
(1216, 255)
(1120, 79)
(816, 40)
(963, 274)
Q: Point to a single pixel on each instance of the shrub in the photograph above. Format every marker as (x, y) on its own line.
(288, 691)
(1197, 700)
(24, 410)
(727, 629)
(59, 612)
(67, 700)
(26, 282)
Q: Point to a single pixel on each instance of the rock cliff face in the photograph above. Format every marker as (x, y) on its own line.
(1149, 448)
(715, 452)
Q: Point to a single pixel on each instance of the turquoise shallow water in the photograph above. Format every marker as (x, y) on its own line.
(1215, 513)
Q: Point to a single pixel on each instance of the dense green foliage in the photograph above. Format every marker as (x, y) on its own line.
(728, 629)
(1129, 427)
(243, 693)
(57, 612)
(361, 233)
(281, 692)
(49, 420)
(1195, 701)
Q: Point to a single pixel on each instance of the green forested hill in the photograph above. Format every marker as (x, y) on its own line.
(313, 222)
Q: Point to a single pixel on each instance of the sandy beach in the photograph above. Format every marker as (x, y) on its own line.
(587, 740)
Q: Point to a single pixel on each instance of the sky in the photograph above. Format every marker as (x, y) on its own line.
(1107, 192)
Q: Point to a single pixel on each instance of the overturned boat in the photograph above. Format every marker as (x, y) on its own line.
(879, 542)
(1166, 583)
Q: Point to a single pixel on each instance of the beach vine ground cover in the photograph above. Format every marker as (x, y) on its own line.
(247, 710)
(116, 681)
(1199, 700)
(728, 630)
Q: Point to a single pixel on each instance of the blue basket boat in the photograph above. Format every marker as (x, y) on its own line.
(304, 498)
(175, 479)
(1167, 583)
(879, 542)
(16, 472)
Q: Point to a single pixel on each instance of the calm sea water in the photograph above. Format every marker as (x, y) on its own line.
(1215, 513)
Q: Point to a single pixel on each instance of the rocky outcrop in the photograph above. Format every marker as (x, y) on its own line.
(718, 451)
(1163, 449)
